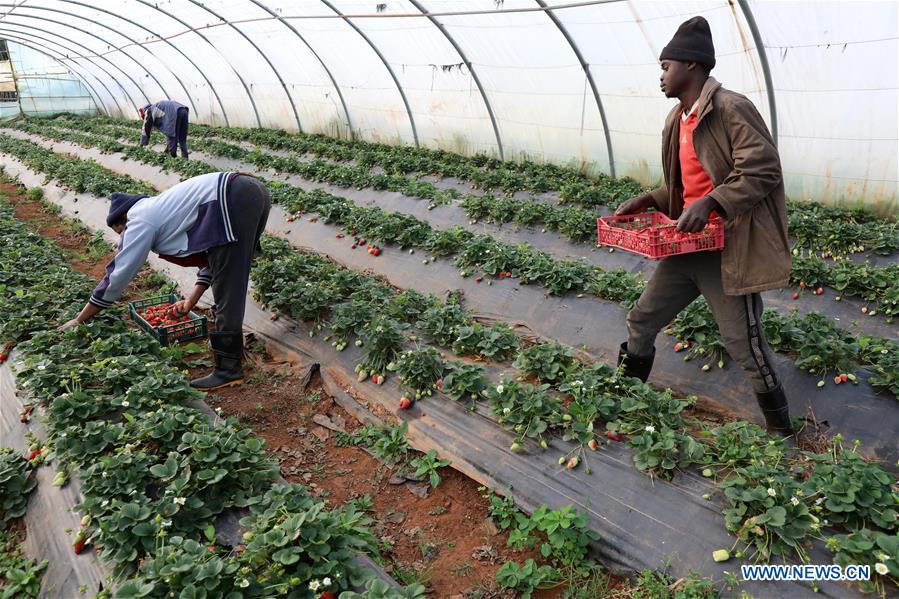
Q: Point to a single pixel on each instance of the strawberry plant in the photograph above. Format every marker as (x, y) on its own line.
(547, 361)
(852, 492)
(383, 341)
(442, 323)
(767, 511)
(661, 451)
(463, 381)
(497, 342)
(527, 409)
(593, 400)
(350, 318)
(419, 370)
(16, 483)
(877, 549)
(741, 444)
(696, 324)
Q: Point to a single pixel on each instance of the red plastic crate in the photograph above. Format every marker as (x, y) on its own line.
(654, 235)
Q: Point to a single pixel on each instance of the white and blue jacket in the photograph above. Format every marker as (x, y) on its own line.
(179, 224)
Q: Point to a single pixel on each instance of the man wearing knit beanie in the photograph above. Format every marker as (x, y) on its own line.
(718, 161)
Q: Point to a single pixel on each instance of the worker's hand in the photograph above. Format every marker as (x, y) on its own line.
(69, 325)
(695, 217)
(635, 205)
(182, 307)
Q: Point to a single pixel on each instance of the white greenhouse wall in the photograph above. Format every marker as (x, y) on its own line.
(577, 85)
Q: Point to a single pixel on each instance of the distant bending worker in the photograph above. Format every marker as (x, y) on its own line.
(170, 118)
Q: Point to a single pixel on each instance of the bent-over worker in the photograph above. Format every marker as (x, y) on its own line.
(214, 222)
(170, 118)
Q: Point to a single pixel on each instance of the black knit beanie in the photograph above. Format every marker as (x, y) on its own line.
(691, 43)
(120, 204)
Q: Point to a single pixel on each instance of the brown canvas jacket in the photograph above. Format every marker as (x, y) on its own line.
(734, 146)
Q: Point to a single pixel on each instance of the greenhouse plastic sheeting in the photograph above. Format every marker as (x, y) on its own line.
(573, 82)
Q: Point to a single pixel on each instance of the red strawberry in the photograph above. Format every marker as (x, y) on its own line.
(339, 236)
(820, 290)
(361, 241)
(478, 279)
(802, 284)
(837, 380)
(613, 436)
(79, 546)
(502, 275)
(844, 377)
(377, 251)
(508, 275)
(405, 404)
(353, 246)
(25, 416)
(327, 595)
(3, 357)
(35, 453)
(678, 346)
(439, 384)
(795, 296)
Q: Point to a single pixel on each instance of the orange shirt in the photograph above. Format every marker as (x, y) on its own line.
(695, 180)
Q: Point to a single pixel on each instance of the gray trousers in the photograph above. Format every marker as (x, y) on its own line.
(249, 204)
(679, 280)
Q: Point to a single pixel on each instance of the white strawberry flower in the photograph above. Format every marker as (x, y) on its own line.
(244, 583)
(125, 403)
(771, 492)
(794, 500)
(179, 500)
(881, 568)
(314, 585)
(883, 557)
(326, 582)
(499, 388)
(650, 428)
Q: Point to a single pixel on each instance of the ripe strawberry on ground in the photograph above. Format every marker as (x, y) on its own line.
(613, 436)
(405, 403)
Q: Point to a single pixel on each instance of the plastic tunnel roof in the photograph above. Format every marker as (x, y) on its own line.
(565, 82)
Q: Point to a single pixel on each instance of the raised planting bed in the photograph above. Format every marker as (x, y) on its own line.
(526, 308)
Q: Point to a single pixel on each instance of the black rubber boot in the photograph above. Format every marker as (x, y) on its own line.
(777, 413)
(227, 349)
(636, 366)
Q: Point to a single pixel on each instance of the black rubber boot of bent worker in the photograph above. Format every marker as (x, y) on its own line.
(636, 366)
(227, 349)
(777, 414)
